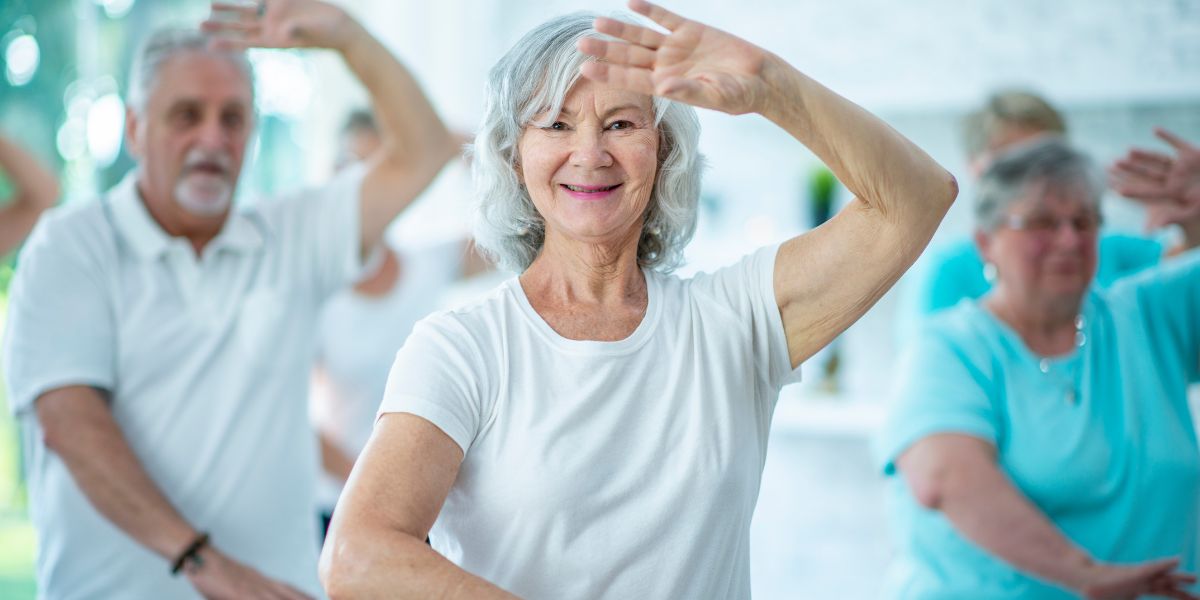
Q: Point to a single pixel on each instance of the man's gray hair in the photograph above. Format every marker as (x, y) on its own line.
(1048, 162)
(534, 77)
(164, 44)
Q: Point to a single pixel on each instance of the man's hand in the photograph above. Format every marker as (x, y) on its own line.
(219, 577)
(280, 24)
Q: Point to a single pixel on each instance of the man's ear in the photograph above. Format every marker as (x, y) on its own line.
(133, 127)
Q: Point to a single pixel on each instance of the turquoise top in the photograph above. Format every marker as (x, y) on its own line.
(1102, 443)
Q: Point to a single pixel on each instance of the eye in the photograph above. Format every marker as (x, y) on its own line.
(621, 125)
(556, 126)
(1086, 222)
(185, 116)
(232, 120)
(1041, 223)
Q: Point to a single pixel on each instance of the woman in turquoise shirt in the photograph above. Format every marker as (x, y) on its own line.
(1041, 435)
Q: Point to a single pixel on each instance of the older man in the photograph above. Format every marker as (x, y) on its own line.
(159, 342)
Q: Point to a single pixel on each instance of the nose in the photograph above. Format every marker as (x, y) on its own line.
(212, 135)
(1067, 235)
(589, 149)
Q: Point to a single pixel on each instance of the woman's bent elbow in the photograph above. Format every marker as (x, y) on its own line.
(344, 566)
(951, 188)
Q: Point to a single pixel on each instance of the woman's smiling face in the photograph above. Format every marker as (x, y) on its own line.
(590, 170)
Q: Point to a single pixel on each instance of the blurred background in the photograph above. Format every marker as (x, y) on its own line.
(1116, 68)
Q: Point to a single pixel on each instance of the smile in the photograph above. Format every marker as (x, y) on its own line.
(590, 189)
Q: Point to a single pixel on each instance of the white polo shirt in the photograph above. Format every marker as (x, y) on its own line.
(206, 360)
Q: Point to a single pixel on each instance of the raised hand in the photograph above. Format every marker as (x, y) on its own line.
(1170, 186)
(1123, 582)
(280, 24)
(692, 63)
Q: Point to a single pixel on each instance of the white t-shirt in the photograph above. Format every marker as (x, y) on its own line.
(206, 362)
(359, 337)
(625, 469)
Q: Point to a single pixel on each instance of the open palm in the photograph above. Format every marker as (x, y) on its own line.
(692, 63)
(279, 24)
(1155, 177)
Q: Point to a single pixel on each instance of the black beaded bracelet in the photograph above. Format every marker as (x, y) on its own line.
(192, 553)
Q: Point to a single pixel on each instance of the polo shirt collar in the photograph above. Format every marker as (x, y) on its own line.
(240, 233)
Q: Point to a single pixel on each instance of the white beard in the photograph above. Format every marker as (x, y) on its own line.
(204, 195)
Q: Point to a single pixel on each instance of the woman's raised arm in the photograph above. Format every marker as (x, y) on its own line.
(826, 279)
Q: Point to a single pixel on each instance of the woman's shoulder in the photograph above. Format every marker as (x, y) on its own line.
(1164, 279)
(476, 318)
(966, 327)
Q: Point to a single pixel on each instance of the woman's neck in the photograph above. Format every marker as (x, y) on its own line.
(587, 292)
(1047, 327)
(567, 271)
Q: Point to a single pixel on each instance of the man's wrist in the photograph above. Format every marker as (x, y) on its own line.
(352, 37)
(189, 557)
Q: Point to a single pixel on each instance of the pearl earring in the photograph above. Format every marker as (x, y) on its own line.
(989, 272)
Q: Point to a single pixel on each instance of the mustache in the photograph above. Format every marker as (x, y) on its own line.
(208, 160)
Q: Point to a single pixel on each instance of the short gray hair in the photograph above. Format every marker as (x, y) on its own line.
(1008, 108)
(1049, 162)
(535, 77)
(164, 44)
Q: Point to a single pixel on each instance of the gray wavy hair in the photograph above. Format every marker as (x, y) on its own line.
(535, 77)
(164, 44)
(1048, 161)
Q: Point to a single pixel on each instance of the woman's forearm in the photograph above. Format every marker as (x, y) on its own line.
(958, 476)
(376, 562)
(988, 510)
(881, 167)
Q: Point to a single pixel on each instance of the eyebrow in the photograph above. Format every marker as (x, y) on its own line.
(187, 102)
(616, 109)
(608, 113)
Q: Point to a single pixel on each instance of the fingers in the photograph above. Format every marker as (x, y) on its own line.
(238, 28)
(1175, 141)
(243, 11)
(634, 34)
(617, 52)
(1136, 190)
(1150, 170)
(1149, 156)
(241, 28)
(657, 14)
(629, 78)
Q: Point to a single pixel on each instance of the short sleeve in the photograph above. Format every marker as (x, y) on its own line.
(60, 329)
(440, 375)
(1168, 298)
(320, 233)
(748, 289)
(941, 389)
(1124, 255)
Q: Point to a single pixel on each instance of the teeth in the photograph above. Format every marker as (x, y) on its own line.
(575, 188)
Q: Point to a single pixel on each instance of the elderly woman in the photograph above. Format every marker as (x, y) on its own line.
(1041, 434)
(597, 427)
